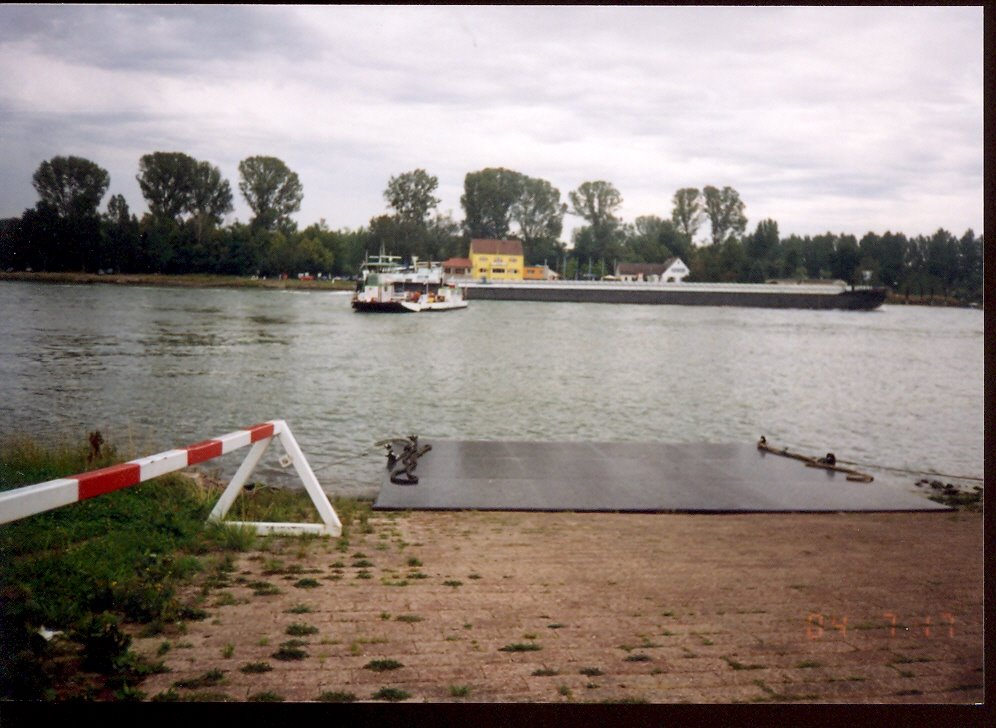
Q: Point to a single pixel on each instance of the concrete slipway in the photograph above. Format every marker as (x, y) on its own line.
(638, 477)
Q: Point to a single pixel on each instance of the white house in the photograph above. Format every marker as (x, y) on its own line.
(672, 270)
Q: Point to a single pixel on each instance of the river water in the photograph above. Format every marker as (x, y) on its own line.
(157, 368)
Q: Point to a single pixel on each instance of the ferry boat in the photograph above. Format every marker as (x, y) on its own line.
(386, 287)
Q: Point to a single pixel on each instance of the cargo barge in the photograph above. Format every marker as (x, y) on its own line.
(831, 295)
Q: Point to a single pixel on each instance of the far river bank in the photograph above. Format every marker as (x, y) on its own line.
(221, 281)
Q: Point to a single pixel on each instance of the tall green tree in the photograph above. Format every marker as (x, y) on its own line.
(72, 186)
(597, 203)
(272, 191)
(603, 238)
(211, 198)
(652, 239)
(488, 198)
(411, 196)
(539, 214)
(63, 231)
(119, 233)
(845, 259)
(970, 264)
(167, 181)
(725, 211)
(687, 212)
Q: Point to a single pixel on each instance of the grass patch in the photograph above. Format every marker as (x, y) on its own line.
(521, 647)
(205, 680)
(638, 657)
(383, 665)
(459, 691)
(408, 618)
(123, 557)
(267, 696)
(390, 694)
(740, 665)
(545, 672)
(336, 696)
(255, 668)
(289, 651)
(591, 671)
(263, 588)
(300, 630)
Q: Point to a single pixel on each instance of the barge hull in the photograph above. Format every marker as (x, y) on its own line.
(852, 300)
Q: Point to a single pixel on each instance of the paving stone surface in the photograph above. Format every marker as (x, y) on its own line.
(595, 607)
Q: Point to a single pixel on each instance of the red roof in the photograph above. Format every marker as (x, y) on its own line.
(457, 263)
(482, 246)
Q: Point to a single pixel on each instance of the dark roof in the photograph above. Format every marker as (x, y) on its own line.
(651, 269)
(482, 246)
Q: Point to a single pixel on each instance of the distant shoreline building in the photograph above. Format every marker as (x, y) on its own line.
(497, 260)
(672, 270)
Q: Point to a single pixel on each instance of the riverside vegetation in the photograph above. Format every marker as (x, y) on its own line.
(85, 570)
(184, 230)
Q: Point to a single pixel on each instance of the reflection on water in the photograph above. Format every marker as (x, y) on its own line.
(162, 368)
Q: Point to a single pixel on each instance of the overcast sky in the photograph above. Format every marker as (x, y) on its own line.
(842, 119)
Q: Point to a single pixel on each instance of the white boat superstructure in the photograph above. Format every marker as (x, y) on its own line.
(386, 287)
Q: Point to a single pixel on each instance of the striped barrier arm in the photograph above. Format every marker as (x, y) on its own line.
(29, 500)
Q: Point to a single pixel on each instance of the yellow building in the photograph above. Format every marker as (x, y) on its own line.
(497, 260)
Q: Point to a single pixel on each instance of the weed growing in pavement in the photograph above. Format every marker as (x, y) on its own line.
(390, 694)
(741, 666)
(335, 696)
(290, 650)
(204, 680)
(545, 672)
(267, 696)
(300, 630)
(383, 665)
(521, 647)
(263, 588)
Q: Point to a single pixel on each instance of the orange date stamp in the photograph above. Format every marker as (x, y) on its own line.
(818, 625)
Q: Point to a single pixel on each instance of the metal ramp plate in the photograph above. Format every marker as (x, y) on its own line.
(640, 477)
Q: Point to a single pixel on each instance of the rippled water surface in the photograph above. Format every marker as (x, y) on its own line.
(157, 368)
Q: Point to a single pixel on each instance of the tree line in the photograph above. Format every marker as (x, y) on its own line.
(188, 200)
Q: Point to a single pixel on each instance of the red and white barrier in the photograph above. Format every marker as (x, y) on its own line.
(29, 500)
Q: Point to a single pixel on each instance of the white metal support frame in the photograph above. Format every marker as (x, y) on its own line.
(29, 500)
(330, 526)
